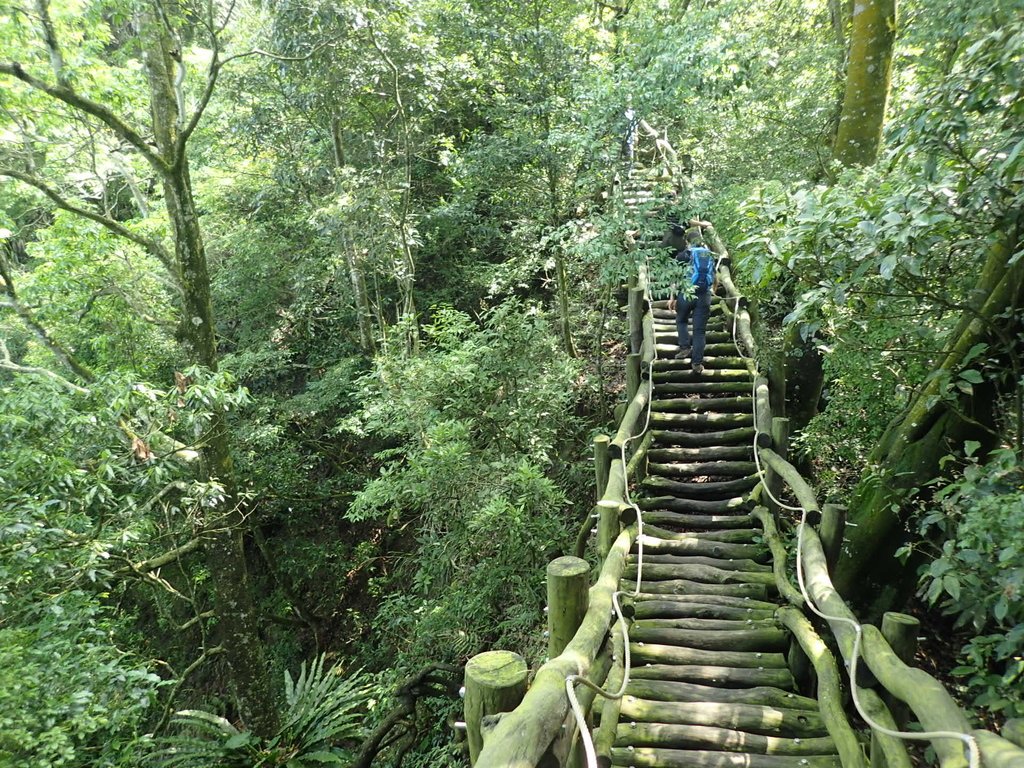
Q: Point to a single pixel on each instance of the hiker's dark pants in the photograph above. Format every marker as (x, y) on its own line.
(699, 306)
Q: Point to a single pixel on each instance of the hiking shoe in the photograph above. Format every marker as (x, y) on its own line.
(698, 368)
(683, 352)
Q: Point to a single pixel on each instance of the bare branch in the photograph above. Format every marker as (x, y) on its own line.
(152, 246)
(9, 365)
(205, 656)
(146, 566)
(101, 112)
(50, 38)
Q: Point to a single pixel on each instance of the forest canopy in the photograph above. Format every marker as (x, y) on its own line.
(309, 313)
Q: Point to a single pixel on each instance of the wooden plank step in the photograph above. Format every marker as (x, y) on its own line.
(703, 469)
(763, 639)
(653, 757)
(702, 405)
(671, 654)
(646, 684)
(750, 718)
(723, 739)
(712, 490)
(701, 421)
(660, 310)
(692, 522)
(709, 453)
(725, 678)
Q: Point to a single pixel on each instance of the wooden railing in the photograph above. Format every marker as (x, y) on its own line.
(511, 725)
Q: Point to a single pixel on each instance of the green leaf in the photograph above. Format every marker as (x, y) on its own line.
(970, 446)
(323, 757)
(952, 585)
(972, 376)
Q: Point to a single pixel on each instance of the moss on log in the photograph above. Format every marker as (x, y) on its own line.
(761, 639)
(925, 695)
(568, 579)
(752, 718)
(495, 682)
(779, 557)
(723, 739)
(738, 436)
(647, 757)
(727, 678)
(830, 690)
(523, 735)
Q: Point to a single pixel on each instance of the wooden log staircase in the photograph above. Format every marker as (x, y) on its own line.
(712, 661)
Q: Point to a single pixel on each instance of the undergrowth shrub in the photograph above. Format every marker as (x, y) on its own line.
(976, 574)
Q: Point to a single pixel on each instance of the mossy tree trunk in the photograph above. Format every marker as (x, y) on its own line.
(937, 422)
(237, 617)
(869, 64)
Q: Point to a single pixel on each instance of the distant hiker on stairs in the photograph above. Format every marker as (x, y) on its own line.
(695, 298)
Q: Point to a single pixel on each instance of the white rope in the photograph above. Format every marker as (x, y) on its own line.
(969, 740)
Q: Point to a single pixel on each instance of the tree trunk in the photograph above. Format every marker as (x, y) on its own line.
(237, 622)
(909, 454)
(804, 377)
(872, 34)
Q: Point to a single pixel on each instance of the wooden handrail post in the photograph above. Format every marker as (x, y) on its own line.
(568, 585)
(772, 479)
(608, 526)
(632, 376)
(601, 464)
(833, 523)
(495, 683)
(635, 314)
(900, 632)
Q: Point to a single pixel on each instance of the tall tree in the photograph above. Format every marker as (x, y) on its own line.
(869, 67)
(68, 96)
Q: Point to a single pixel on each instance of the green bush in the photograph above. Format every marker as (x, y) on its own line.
(977, 575)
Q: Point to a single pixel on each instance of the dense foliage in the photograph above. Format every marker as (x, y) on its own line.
(371, 423)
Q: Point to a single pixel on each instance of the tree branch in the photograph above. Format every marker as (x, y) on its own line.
(101, 112)
(151, 246)
(9, 365)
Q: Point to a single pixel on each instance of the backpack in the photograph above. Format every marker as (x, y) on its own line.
(703, 268)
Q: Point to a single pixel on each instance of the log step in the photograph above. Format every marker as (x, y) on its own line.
(701, 421)
(722, 739)
(703, 469)
(737, 505)
(696, 589)
(694, 610)
(660, 538)
(759, 639)
(702, 387)
(718, 362)
(646, 685)
(652, 757)
(671, 654)
(709, 453)
(727, 679)
(692, 546)
(729, 535)
(713, 490)
(721, 523)
(677, 371)
(663, 349)
(703, 405)
(719, 625)
(714, 563)
(660, 572)
(652, 605)
(750, 718)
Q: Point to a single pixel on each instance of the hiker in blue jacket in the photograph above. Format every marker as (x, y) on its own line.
(702, 280)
